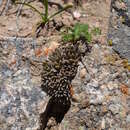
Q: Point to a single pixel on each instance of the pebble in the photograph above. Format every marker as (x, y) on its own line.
(82, 128)
(103, 124)
(17, 73)
(120, 5)
(88, 78)
(112, 85)
(128, 74)
(95, 96)
(11, 120)
(93, 84)
(76, 14)
(83, 73)
(128, 118)
(115, 108)
(85, 103)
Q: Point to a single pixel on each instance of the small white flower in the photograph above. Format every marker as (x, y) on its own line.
(76, 14)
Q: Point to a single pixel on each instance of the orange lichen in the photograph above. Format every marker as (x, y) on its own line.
(71, 90)
(38, 52)
(13, 62)
(124, 89)
(47, 51)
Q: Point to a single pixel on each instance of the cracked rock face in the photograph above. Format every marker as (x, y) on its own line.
(104, 105)
(21, 101)
(119, 28)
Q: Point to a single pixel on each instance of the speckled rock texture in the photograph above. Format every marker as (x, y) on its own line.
(119, 30)
(21, 101)
(103, 101)
(102, 92)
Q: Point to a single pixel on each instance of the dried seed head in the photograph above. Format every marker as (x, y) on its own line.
(58, 72)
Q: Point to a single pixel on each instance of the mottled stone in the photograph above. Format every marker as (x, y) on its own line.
(121, 35)
(95, 96)
(114, 108)
(112, 85)
(20, 99)
(128, 118)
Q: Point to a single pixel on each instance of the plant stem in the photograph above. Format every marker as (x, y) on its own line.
(46, 9)
(26, 4)
(59, 11)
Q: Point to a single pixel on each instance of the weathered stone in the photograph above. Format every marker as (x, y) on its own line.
(120, 36)
(128, 118)
(114, 108)
(112, 85)
(20, 99)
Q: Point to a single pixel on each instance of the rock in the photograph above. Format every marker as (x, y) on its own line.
(85, 103)
(76, 14)
(20, 99)
(120, 36)
(128, 74)
(120, 5)
(115, 108)
(94, 70)
(128, 118)
(20, 106)
(93, 84)
(83, 73)
(104, 109)
(82, 128)
(103, 87)
(88, 78)
(124, 76)
(95, 96)
(124, 89)
(97, 53)
(128, 83)
(75, 98)
(103, 124)
(112, 85)
(51, 48)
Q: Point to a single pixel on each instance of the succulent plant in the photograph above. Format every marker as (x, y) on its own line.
(58, 72)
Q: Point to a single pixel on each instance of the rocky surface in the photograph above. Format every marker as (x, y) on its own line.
(104, 103)
(102, 91)
(21, 101)
(119, 31)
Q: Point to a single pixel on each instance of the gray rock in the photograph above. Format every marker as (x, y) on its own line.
(128, 74)
(21, 101)
(115, 108)
(19, 105)
(95, 96)
(88, 78)
(112, 85)
(121, 36)
(1, 2)
(128, 118)
(93, 84)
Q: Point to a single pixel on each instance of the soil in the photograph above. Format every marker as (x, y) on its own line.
(95, 13)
